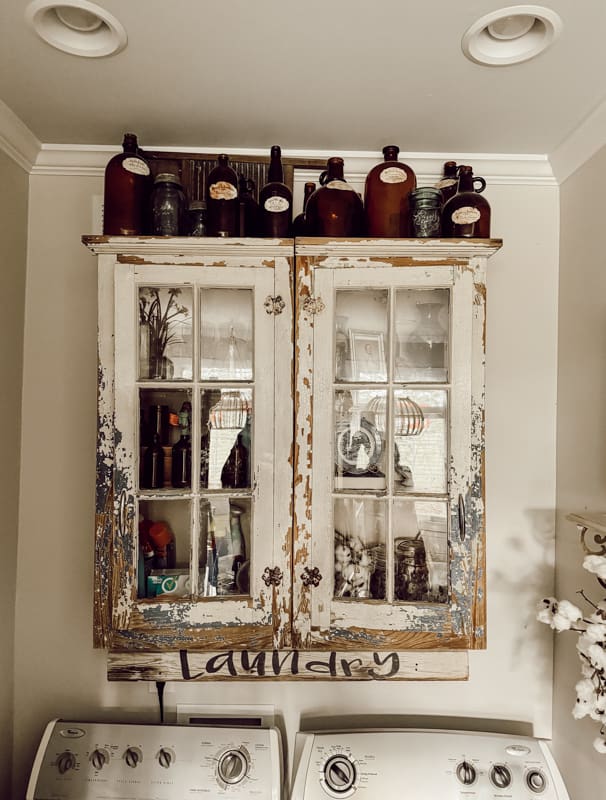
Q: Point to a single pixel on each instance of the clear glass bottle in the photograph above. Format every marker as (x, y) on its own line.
(168, 205)
(275, 200)
(386, 192)
(335, 209)
(126, 191)
(222, 200)
(467, 213)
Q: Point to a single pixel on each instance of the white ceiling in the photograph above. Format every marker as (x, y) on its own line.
(319, 74)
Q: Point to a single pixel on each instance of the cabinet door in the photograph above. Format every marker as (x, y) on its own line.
(200, 547)
(393, 520)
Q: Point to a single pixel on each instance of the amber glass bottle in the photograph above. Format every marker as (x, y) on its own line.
(222, 207)
(126, 191)
(299, 227)
(335, 209)
(467, 213)
(386, 192)
(275, 200)
(449, 180)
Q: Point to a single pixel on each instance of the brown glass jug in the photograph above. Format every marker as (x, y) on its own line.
(275, 200)
(126, 191)
(335, 208)
(386, 192)
(467, 214)
(222, 206)
(449, 181)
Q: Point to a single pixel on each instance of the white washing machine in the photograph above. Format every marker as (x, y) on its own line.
(418, 764)
(104, 761)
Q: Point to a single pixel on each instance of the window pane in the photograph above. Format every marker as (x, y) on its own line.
(164, 439)
(422, 331)
(360, 439)
(361, 335)
(164, 548)
(226, 348)
(165, 333)
(224, 548)
(420, 433)
(359, 560)
(226, 444)
(420, 551)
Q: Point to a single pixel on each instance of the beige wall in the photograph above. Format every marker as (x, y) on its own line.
(13, 233)
(581, 438)
(58, 673)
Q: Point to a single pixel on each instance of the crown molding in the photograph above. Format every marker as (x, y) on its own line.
(583, 143)
(16, 139)
(505, 169)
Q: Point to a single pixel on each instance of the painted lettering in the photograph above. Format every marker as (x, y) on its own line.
(221, 660)
(324, 667)
(395, 666)
(257, 664)
(346, 665)
(277, 663)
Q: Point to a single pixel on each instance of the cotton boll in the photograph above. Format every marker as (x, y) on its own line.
(596, 564)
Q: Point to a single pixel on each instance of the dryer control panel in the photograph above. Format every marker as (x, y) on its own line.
(100, 761)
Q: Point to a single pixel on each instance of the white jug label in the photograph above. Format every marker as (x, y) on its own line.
(136, 165)
(445, 183)
(466, 215)
(276, 204)
(342, 185)
(223, 190)
(393, 175)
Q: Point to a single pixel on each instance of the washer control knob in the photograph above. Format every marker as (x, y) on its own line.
(165, 757)
(339, 774)
(65, 762)
(99, 758)
(536, 781)
(500, 776)
(133, 756)
(233, 766)
(466, 773)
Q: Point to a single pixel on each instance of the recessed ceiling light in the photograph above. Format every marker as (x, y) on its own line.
(511, 35)
(77, 27)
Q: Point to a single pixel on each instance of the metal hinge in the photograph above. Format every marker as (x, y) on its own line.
(313, 305)
(274, 305)
(272, 576)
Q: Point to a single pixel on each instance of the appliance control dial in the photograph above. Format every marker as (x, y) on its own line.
(99, 758)
(500, 776)
(165, 757)
(466, 773)
(536, 781)
(133, 756)
(233, 766)
(340, 774)
(65, 762)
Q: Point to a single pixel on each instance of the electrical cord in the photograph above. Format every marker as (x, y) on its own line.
(160, 689)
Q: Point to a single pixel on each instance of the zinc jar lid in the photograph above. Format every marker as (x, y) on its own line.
(167, 177)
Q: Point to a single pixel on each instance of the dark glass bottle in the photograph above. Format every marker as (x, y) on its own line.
(236, 473)
(386, 192)
(222, 200)
(467, 213)
(335, 209)
(126, 191)
(248, 208)
(449, 180)
(152, 474)
(168, 206)
(275, 200)
(181, 452)
(299, 226)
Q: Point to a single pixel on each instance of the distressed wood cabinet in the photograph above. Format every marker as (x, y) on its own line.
(290, 457)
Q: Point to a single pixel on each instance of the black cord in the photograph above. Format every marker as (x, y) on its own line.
(160, 689)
